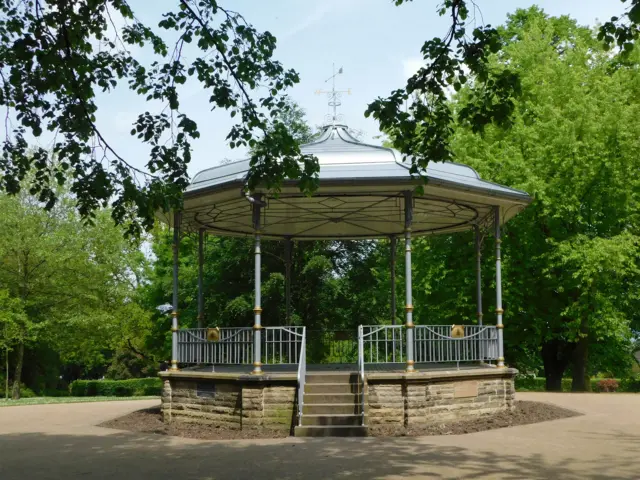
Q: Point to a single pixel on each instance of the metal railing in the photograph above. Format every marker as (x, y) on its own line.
(382, 343)
(475, 343)
(233, 347)
(432, 344)
(362, 380)
(302, 374)
(282, 345)
(279, 345)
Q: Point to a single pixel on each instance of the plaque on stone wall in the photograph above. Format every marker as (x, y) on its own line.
(465, 389)
(205, 390)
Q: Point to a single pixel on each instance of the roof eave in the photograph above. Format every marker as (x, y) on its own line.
(515, 196)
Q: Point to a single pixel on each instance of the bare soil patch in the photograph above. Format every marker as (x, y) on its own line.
(150, 421)
(526, 412)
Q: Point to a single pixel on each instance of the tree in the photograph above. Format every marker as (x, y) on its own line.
(419, 116)
(571, 258)
(12, 319)
(56, 56)
(73, 283)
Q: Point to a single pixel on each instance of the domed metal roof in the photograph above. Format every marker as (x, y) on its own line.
(361, 195)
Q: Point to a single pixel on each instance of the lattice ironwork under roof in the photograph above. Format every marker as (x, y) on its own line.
(361, 195)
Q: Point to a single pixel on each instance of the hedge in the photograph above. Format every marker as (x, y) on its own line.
(537, 384)
(134, 387)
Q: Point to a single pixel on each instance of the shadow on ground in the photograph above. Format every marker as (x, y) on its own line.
(130, 456)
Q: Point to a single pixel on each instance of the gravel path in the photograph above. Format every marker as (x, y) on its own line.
(63, 442)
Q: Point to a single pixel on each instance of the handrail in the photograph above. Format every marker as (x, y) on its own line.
(448, 337)
(361, 365)
(302, 374)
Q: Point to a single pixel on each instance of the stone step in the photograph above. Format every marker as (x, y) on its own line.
(330, 431)
(332, 420)
(330, 409)
(313, 398)
(331, 388)
(337, 377)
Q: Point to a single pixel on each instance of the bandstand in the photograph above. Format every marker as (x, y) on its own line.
(257, 376)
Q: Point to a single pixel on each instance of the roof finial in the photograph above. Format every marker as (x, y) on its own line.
(334, 96)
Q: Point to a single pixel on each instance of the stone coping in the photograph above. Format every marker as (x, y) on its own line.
(428, 375)
(233, 377)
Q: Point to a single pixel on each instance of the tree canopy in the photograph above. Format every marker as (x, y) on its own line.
(56, 56)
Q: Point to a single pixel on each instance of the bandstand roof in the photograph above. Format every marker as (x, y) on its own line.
(361, 195)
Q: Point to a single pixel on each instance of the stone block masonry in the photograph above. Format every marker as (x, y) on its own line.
(438, 396)
(231, 403)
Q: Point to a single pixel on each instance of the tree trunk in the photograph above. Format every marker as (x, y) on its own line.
(580, 381)
(555, 363)
(15, 394)
(6, 380)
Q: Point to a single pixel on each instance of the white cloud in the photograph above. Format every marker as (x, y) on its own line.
(410, 66)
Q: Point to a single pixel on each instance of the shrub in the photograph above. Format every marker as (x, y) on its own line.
(630, 384)
(25, 392)
(134, 387)
(607, 385)
(527, 383)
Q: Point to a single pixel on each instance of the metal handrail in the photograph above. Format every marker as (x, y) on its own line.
(448, 337)
(383, 344)
(302, 374)
(361, 370)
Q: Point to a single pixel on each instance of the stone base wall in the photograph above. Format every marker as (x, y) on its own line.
(414, 401)
(231, 404)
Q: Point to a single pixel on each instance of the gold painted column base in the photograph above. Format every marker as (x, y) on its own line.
(174, 366)
(410, 368)
(257, 369)
(501, 362)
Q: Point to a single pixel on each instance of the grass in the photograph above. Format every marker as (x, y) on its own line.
(50, 400)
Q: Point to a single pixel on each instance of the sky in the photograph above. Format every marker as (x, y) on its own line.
(376, 43)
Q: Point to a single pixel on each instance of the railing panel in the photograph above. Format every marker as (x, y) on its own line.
(383, 344)
(432, 344)
(280, 345)
(435, 344)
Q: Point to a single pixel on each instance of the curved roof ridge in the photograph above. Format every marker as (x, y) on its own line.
(355, 141)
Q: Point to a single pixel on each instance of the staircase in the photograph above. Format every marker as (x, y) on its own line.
(332, 406)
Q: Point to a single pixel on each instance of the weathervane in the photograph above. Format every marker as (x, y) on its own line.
(334, 96)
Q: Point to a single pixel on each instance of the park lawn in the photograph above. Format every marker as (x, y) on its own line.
(50, 400)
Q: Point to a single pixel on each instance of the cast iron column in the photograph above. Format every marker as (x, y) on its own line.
(408, 216)
(287, 278)
(174, 313)
(393, 243)
(482, 338)
(478, 273)
(257, 310)
(499, 310)
(200, 275)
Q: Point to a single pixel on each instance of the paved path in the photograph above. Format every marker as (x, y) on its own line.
(61, 442)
